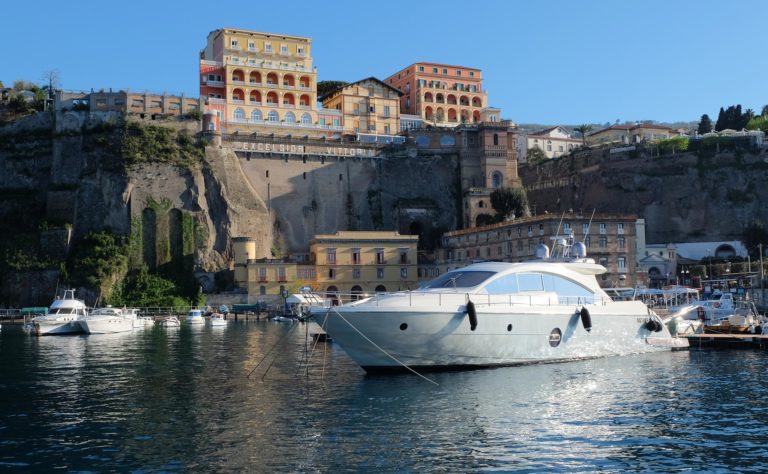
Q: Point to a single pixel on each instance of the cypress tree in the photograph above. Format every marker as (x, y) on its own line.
(719, 125)
(705, 125)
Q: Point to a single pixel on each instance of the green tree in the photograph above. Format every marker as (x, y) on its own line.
(145, 289)
(484, 219)
(764, 112)
(753, 235)
(705, 124)
(509, 202)
(324, 87)
(97, 258)
(535, 155)
(583, 130)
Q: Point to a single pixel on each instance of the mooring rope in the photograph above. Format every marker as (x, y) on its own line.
(293, 326)
(382, 350)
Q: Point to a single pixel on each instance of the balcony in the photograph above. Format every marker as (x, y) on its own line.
(305, 107)
(271, 85)
(253, 50)
(304, 88)
(255, 102)
(263, 280)
(238, 101)
(267, 123)
(237, 82)
(255, 84)
(212, 83)
(287, 86)
(288, 106)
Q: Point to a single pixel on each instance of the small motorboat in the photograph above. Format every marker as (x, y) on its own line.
(195, 316)
(217, 320)
(170, 322)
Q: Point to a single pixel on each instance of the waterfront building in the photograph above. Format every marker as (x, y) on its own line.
(364, 262)
(262, 82)
(554, 142)
(348, 262)
(610, 240)
(630, 134)
(441, 94)
(370, 108)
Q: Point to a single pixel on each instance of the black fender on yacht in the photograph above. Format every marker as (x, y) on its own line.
(586, 319)
(472, 313)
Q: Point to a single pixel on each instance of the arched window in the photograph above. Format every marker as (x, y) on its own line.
(481, 204)
(381, 289)
(256, 115)
(289, 117)
(357, 292)
(273, 117)
(495, 139)
(306, 119)
(239, 114)
(262, 290)
(497, 179)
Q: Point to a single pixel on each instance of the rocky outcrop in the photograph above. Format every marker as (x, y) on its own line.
(685, 197)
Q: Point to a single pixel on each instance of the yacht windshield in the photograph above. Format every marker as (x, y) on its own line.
(458, 279)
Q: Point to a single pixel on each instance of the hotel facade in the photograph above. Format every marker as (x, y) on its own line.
(441, 94)
(263, 82)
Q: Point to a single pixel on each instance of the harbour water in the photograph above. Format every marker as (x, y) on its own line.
(180, 400)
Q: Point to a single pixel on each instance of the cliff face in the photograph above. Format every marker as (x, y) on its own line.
(66, 177)
(685, 197)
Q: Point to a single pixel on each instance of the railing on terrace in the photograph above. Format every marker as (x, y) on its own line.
(250, 138)
(268, 123)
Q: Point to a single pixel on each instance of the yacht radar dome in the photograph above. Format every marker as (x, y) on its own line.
(579, 250)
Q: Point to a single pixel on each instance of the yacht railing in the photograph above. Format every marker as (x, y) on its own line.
(440, 299)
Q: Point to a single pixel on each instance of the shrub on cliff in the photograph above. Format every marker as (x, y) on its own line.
(98, 259)
(155, 144)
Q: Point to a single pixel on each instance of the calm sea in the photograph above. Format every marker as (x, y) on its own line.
(180, 400)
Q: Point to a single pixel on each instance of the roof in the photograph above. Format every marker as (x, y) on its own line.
(371, 78)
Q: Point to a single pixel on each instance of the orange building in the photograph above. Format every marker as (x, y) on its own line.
(261, 82)
(441, 94)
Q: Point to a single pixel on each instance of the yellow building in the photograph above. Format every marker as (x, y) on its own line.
(267, 278)
(369, 106)
(364, 262)
(261, 82)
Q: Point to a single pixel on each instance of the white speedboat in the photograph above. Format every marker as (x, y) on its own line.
(62, 316)
(195, 316)
(108, 321)
(496, 314)
(170, 322)
(217, 319)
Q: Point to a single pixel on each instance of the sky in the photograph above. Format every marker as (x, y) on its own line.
(545, 62)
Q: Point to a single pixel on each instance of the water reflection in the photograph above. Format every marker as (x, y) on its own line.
(160, 399)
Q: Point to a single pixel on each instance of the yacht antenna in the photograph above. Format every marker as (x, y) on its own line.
(560, 224)
(590, 222)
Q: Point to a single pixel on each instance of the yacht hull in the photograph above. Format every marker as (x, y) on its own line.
(52, 327)
(96, 326)
(388, 340)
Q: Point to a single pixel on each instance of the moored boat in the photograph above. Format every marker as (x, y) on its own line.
(107, 320)
(217, 320)
(496, 314)
(195, 316)
(61, 317)
(170, 322)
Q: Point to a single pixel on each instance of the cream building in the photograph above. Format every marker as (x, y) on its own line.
(368, 107)
(630, 134)
(554, 142)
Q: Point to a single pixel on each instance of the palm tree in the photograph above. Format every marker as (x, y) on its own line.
(583, 130)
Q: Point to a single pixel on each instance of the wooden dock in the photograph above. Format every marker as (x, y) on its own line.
(727, 341)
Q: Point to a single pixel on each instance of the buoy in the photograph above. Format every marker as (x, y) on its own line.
(586, 319)
(472, 315)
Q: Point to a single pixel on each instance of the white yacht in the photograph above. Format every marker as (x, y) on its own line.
(195, 316)
(108, 320)
(217, 320)
(170, 322)
(62, 316)
(496, 314)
